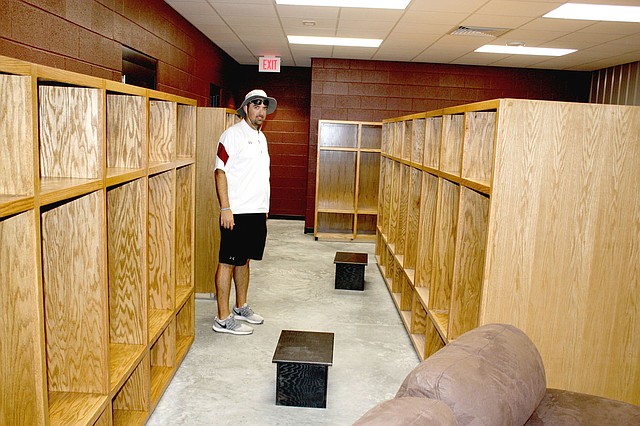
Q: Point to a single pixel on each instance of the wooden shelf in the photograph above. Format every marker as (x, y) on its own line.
(347, 179)
(67, 408)
(525, 215)
(90, 238)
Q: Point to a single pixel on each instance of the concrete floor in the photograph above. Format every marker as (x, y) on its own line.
(229, 379)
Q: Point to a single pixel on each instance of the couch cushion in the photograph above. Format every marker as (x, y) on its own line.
(492, 375)
(565, 408)
(408, 411)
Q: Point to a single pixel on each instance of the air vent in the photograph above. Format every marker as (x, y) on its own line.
(479, 31)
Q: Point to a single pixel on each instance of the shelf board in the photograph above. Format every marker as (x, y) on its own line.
(483, 187)
(335, 236)
(411, 276)
(397, 297)
(156, 167)
(160, 378)
(182, 295)
(58, 189)
(183, 343)
(13, 204)
(123, 360)
(158, 320)
(339, 210)
(118, 175)
(420, 343)
(423, 295)
(441, 321)
(406, 319)
(182, 162)
(67, 408)
(130, 417)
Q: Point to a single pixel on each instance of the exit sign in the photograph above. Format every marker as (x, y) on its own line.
(269, 64)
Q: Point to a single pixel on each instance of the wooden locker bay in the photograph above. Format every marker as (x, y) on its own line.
(523, 212)
(97, 246)
(347, 179)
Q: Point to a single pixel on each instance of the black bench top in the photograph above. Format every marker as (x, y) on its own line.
(353, 258)
(304, 347)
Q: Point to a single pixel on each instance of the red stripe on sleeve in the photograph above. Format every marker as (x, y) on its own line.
(222, 154)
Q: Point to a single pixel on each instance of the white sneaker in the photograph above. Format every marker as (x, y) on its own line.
(231, 326)
(245, 313)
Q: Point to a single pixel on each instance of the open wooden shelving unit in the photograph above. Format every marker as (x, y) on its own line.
(347, 179)
(97, 186)
(211, 123)
(523, 212)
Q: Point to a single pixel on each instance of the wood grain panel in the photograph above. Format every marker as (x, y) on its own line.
(211, 124)
(444, 245)
(186, 140)
(161, 240)
(76, 408)
(336, 180)
(163, 351)
(581, 231)
(16, 136)
(433, 340)
(433, 137)
(397, 139)
(335, 223)
(413, 218)
(370, 136)
(71, 132)
(343, 135)
(407, 141)
(75, 295)
(468, 271)
(387, 138)
(426, 233)
(396, 180)
(162, 130)
(126, 131)
(21, 384)
(403, 207)
(366, 226)
(369, 182)
(417, 141)
(134, 395)
(184, 226)
(127, 259)
(451, 149)
(479, 136)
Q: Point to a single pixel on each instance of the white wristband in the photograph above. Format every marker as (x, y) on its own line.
(225, 209)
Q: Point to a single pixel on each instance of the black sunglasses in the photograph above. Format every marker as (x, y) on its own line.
(258, 102)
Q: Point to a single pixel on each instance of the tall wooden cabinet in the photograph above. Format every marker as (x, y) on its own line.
(523, 212)
(211, 123)
(96, 246)
(347, 179)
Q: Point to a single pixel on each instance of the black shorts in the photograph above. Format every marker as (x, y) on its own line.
(245, 241)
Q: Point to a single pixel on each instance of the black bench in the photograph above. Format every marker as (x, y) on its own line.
(303, 359)
(350, 270)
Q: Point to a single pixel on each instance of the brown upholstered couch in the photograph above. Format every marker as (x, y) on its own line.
(491, 376)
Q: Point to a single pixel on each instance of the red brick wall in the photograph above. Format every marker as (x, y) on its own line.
(287, 131)
(343, 89)
(86, 36)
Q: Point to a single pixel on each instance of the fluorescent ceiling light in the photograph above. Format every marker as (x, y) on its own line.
(335, 41)
(596, 12)
(371, 4)
(523, 50)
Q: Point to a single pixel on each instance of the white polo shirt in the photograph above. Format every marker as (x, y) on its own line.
(244, 157)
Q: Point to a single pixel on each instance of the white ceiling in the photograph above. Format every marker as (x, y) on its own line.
(247, 29)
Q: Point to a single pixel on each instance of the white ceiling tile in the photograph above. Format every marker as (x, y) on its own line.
(419, 33)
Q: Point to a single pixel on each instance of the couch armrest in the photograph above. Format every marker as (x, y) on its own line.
(492, 375)
(408, 411)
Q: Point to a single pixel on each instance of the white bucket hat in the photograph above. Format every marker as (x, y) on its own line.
(257, 94)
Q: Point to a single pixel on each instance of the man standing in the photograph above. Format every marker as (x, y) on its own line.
(242, 181)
